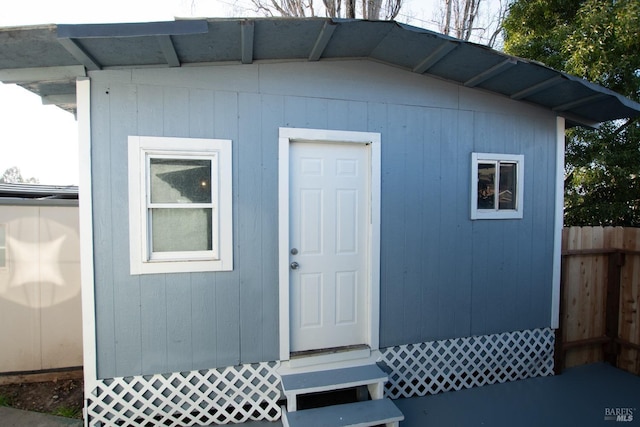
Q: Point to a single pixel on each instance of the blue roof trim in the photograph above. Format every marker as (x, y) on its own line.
(140, 29)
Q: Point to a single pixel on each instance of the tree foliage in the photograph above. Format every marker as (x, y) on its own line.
(597, 40)
(537, 29)
(601, 182)
(14, 176)
(605, 47)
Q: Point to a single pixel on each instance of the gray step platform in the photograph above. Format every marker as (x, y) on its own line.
(335, 379)
(358, 414)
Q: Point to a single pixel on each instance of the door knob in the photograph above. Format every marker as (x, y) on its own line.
(294, 265)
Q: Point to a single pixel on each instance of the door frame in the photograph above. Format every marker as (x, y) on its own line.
(299, 135)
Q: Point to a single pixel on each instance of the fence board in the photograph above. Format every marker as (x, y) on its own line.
(629, 298)
(585, 274)
(585, 285)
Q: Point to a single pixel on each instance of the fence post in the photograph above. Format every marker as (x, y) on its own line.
(558, 350)
(612, 349)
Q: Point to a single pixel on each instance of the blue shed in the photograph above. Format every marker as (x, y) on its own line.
(277, 207)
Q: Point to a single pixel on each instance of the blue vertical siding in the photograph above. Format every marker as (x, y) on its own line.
(126, 288)
(249, 261)
(429, 205)
(272, 111)
(103, 264)
(442, 275)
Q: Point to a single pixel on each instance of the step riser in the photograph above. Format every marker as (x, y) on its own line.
(358, 414)
(332, 380)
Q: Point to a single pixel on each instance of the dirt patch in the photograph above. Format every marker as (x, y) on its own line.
(60, 397)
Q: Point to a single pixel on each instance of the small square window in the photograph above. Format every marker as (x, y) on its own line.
(496, 186)
(180, 205)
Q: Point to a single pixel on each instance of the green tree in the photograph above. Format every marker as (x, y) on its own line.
(14, 176)
(537, 29)
(605, 46)
(597, 40)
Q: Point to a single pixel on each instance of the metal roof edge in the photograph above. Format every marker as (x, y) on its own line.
(627, 102)
(133, 29)
(6, 201)
(37, 191)
(420, 30)
(29, 27)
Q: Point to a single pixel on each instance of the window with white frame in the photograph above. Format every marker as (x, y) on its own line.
(180, 211)
(496, 186)
(3, 245)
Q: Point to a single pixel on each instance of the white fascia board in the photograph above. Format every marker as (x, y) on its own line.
(42, 74)
(558, 223)
(83, 88)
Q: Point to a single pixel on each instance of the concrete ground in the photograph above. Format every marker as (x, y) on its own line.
(10, 417)
(592, 395)
(583, 396)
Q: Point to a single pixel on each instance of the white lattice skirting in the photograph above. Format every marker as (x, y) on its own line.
(219, 396)
(455, 364)
(251, 392)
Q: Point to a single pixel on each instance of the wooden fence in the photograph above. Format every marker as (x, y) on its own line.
(600, 287)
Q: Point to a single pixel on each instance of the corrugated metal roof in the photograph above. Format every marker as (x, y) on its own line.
(38, 191)
(48, 59)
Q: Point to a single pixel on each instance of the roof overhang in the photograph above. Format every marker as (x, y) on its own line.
(48, 59)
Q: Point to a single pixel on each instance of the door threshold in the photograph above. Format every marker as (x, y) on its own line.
(325, 351)
(330, 356)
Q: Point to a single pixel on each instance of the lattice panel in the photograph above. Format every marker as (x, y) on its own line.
(232, 395)
(437, 366)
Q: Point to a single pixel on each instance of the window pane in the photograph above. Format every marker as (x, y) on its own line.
(508, 185)
(180, 180)
(175, 230)
(3, 258)
(486, 185)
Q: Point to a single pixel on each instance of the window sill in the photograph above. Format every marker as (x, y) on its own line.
(476, 215)
(156, 267)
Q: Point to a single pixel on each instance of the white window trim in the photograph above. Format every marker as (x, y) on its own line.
(4, 262)
(516, 213)
(140, 147)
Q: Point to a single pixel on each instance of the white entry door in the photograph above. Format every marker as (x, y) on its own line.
(329, 216)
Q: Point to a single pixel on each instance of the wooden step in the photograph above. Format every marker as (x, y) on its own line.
(360, 414)
(335, 379)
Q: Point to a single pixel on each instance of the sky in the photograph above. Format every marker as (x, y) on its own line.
(41, 140)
